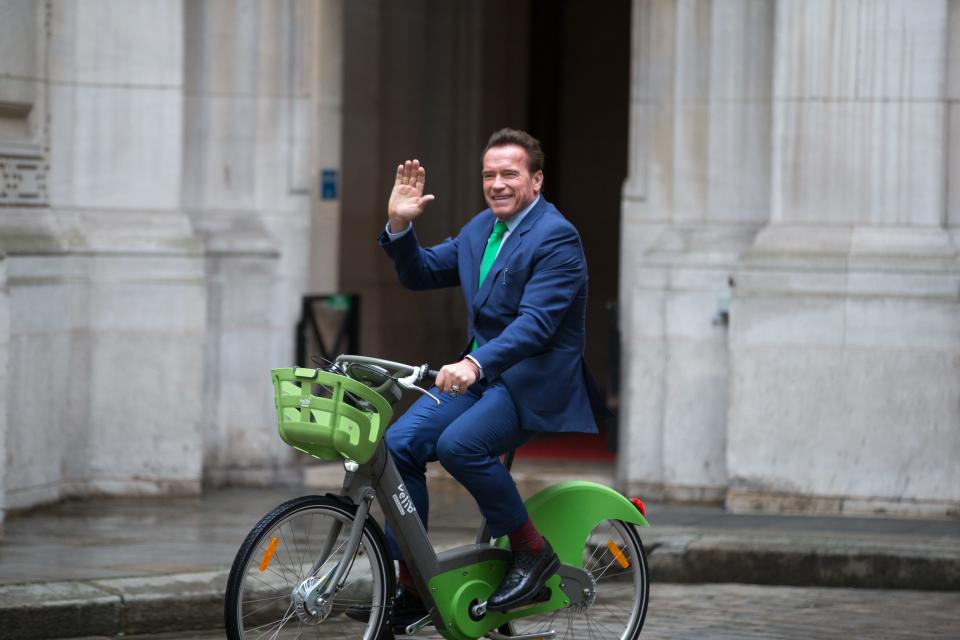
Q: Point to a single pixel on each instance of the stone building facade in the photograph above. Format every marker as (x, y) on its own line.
(789, 280)
(794, 175)
(156, 212)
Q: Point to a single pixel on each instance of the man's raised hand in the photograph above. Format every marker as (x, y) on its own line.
(407, 200)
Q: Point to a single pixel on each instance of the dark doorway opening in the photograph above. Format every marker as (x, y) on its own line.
(579, 108)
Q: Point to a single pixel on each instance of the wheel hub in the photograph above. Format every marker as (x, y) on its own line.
(307, 603)
(589, 592)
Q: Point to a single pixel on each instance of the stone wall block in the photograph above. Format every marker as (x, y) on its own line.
(131, 45)
(886, 50)
(771, 320)
(917, 325)
(146, 387)
(859, 162)
(115, 147)
(690, 154)
(285, 41)
(738, 157)
(40, 371)
(953, 161)
(640, 458)
(849, 422)
(240, 430)
(658, 178)
(4, 382)
(741, 46)
(282, 154)
(695, 444)
(221, 135)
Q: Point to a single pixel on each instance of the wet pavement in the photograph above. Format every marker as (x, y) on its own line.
(732, 611)
(105, 566)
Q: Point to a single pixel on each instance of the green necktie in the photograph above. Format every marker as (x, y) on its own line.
(489, 255)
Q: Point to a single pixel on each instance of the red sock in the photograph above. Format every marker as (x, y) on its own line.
(526, 538)
(405, 579)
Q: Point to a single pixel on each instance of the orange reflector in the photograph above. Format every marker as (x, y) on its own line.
(268, 554)
(615, 550)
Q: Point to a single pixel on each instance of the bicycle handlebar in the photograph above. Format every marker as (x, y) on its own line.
(410, 374)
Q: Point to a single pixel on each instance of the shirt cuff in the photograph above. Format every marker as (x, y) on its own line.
(395, 236)
(474, 361)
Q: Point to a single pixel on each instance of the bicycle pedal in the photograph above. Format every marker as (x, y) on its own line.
(544, 595)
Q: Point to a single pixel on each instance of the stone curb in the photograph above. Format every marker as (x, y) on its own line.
(112, 607)
(750, 559)
(185, 602)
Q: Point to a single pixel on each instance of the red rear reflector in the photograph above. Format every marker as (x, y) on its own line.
(638, 503)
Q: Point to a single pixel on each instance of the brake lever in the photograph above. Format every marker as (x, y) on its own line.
(409, 381)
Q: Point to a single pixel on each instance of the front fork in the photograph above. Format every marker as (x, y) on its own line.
(317, 594)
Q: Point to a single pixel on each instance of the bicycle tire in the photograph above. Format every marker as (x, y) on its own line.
(614, 585)
(259, 602)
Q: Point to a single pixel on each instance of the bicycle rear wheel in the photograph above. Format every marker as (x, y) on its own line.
(283, 551)
(615, 558)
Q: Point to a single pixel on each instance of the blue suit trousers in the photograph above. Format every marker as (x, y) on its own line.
(466, 433)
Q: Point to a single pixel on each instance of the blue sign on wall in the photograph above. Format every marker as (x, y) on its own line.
(328, 184)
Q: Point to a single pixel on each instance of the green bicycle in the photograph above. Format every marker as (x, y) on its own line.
(313, 558)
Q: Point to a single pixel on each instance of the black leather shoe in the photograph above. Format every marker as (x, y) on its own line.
(525, 578)
(407, 609)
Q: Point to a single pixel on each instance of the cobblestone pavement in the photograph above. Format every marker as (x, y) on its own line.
(749, 611)
(730, 611)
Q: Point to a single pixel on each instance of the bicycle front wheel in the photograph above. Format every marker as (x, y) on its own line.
(300, 543)
(617, 563)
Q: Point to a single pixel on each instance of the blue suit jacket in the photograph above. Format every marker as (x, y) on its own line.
(528, 317)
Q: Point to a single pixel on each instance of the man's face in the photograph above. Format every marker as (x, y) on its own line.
(507, 184)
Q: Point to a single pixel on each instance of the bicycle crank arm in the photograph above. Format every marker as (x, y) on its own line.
(416, 626)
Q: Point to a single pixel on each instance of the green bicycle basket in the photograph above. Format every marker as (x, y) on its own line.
(328, 426)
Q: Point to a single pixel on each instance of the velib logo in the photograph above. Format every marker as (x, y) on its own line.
(403, 500)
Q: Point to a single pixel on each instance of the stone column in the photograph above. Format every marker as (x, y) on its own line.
(698, 189)
(845, 341)
(953, 121)
(4, 382)
(326, 115)
(105, 280)
(134, 273)
(248, 186)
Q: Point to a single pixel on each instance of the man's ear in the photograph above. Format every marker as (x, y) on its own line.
(538, 180)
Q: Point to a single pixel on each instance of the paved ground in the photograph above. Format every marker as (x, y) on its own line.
(731, 611)
(144, 565)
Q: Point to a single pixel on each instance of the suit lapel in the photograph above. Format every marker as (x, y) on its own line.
(513, 242)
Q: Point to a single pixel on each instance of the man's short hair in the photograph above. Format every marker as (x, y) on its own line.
(520, 138)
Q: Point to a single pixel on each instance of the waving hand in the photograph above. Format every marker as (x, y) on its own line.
(407, 200)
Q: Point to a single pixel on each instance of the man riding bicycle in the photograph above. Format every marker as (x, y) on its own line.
(521, 267)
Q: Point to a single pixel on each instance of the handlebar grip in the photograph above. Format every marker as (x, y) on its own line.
(431, 374)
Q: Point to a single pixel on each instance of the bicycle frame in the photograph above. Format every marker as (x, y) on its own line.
(454, 584)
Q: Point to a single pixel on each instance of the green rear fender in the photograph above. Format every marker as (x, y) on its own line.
(566, 513)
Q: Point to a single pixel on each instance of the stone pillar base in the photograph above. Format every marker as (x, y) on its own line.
(689, 494)
(747, 501)
(845, 357)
